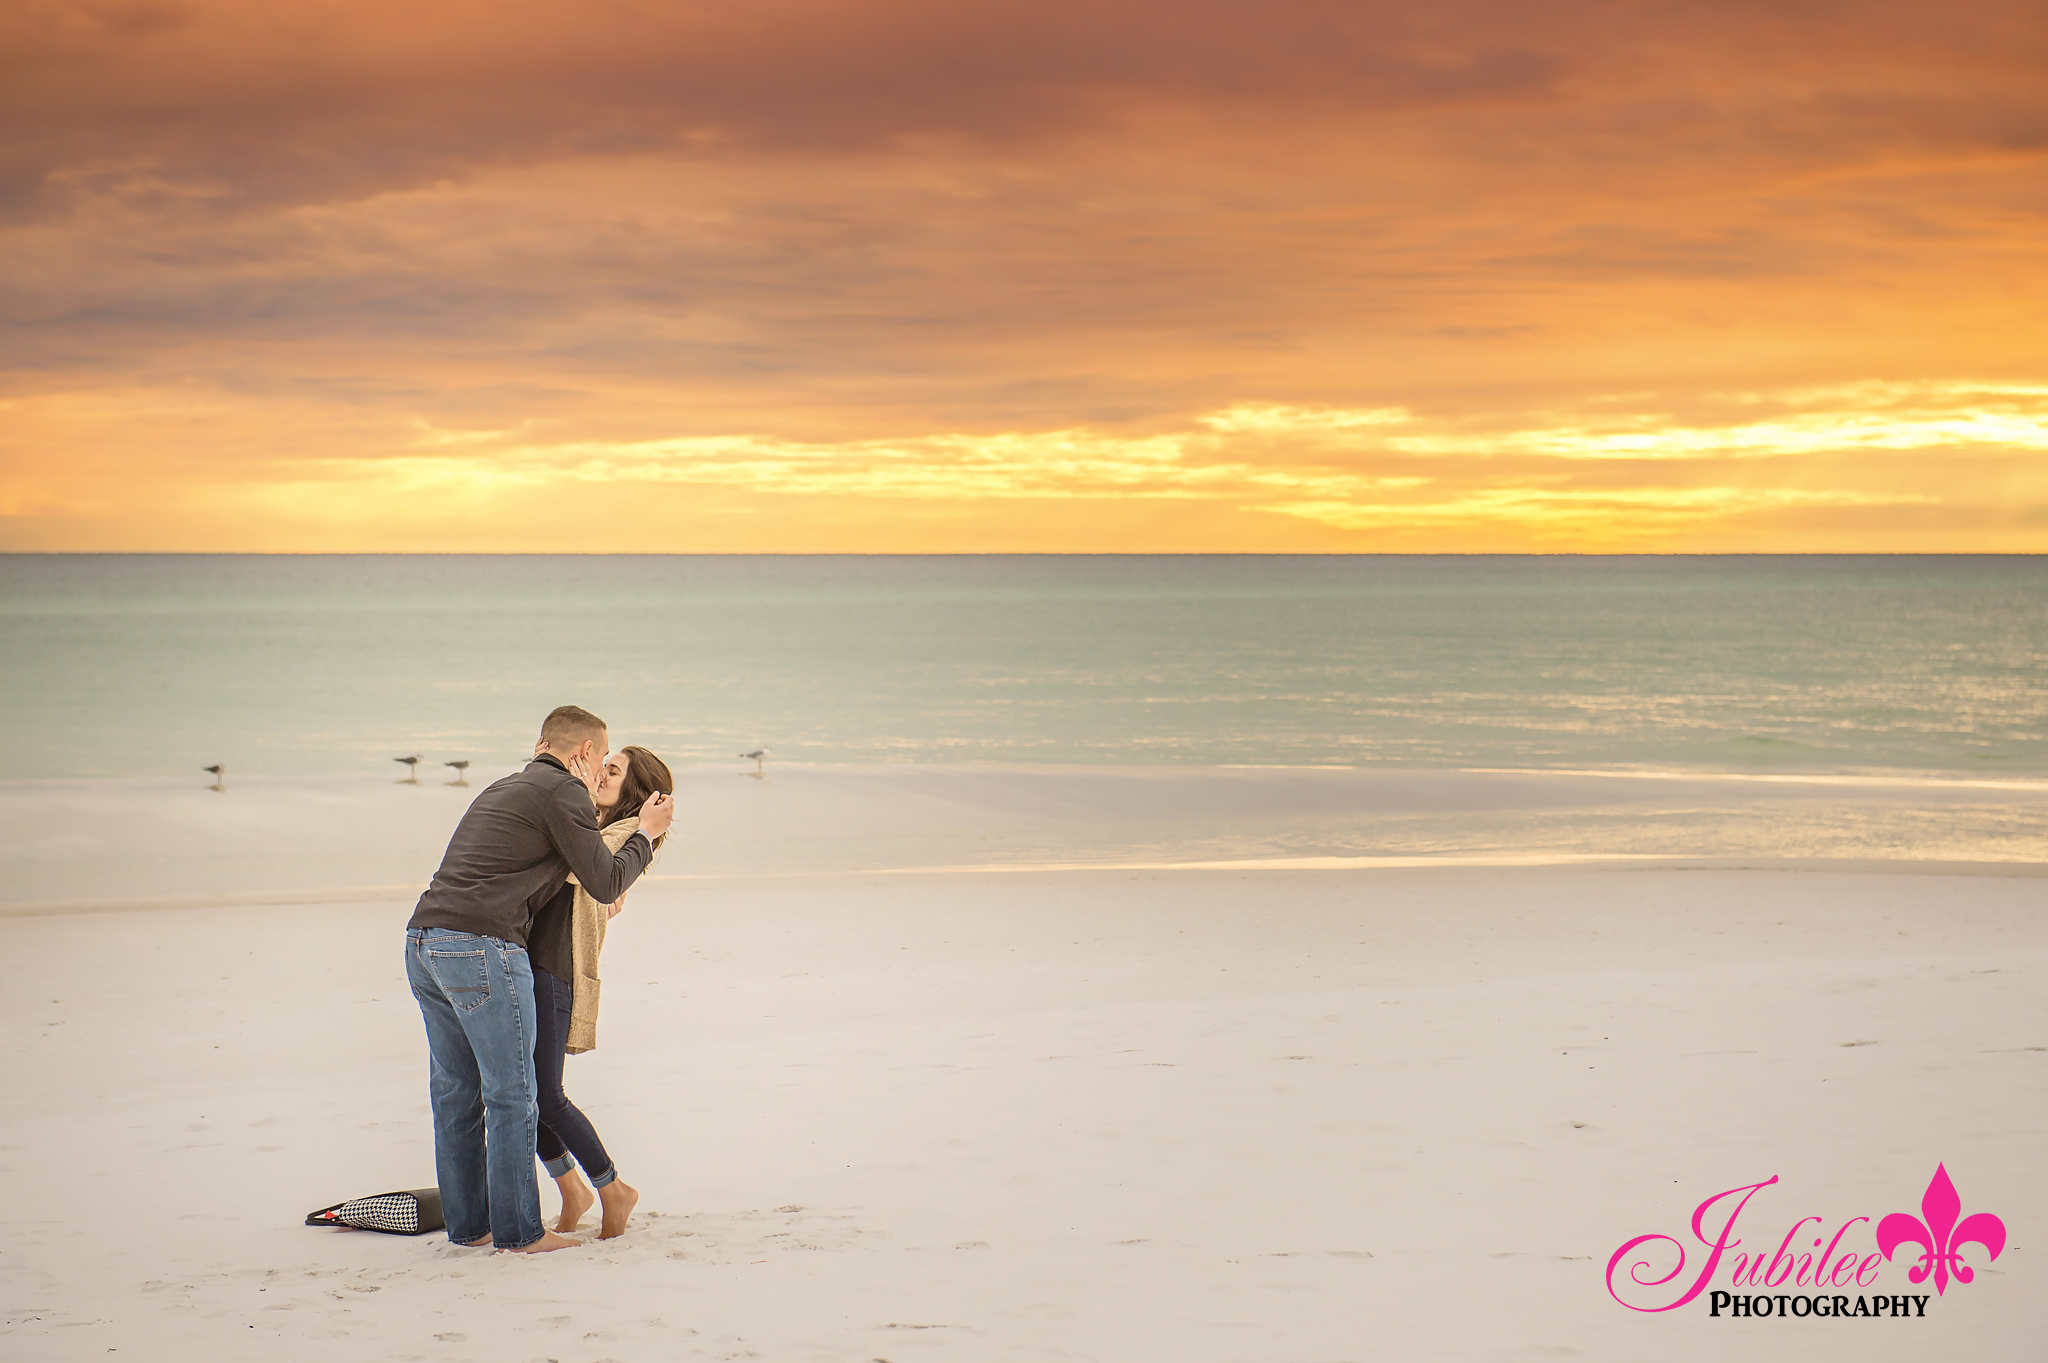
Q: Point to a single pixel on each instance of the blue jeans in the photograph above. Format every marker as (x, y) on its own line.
(476, 994)
(564, 1130)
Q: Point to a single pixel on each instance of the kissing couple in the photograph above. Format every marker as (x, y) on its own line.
(502, 956)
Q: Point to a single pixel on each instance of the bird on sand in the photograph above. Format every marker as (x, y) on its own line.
(412, 766)
(220, 776)
(758, 756)
(461, 772)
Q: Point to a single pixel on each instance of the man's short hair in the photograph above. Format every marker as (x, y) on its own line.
(568, 725)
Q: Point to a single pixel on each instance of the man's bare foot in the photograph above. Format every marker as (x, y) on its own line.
(479, 1242)
(548, 1240)
(619, 1201)
(576, 1200)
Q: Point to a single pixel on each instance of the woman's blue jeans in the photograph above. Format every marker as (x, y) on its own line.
(476, 994)
(564, 1130)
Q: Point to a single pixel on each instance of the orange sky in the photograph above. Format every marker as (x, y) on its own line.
(906, 276)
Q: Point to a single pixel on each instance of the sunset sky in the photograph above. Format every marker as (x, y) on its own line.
(904, 276)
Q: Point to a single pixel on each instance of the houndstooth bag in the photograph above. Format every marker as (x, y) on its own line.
(413, 1213)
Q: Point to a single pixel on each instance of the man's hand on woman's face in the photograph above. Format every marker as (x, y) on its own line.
(657, 814)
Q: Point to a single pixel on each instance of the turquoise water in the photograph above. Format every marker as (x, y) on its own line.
(117, 665)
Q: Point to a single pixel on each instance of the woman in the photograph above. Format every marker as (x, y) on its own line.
(563, 945)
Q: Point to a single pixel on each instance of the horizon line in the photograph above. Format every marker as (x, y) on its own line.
(1012, 553)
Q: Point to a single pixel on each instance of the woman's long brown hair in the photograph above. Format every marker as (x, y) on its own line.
(645, 774)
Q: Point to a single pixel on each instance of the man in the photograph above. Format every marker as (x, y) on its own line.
(465, 955)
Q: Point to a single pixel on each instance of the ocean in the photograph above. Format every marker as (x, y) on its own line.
(133, 665)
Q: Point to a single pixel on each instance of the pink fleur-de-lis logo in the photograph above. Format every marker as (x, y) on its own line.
(1939, 1235)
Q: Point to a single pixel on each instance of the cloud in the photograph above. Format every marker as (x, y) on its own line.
(329, 98)
(873, 262)
(1362, 478)
(240, 99)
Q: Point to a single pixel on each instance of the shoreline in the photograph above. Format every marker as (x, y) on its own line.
(398, 894)
(315, 840)
(1901, 777)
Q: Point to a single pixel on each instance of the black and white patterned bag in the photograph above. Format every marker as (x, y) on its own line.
(413, 1213)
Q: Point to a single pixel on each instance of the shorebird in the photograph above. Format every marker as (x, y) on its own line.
(759, 756)
(412, 766)
(461, 772)
(220, 776)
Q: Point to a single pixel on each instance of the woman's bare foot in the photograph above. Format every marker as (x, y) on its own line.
(479, 1242)
(548, 1240)
(619, 1201)
(576, 1200)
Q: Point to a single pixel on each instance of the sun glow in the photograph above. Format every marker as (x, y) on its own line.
(1613, 473)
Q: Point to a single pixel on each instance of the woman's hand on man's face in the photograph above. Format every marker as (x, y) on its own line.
(579, 767)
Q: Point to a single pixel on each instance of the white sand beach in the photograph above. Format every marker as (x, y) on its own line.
(885, 1103)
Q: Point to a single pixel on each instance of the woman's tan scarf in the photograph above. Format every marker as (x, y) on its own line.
(586, 940)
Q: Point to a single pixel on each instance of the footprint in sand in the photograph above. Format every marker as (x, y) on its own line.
(741, 1235)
